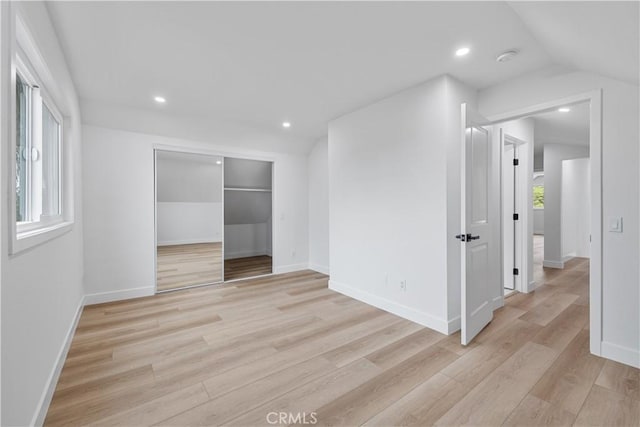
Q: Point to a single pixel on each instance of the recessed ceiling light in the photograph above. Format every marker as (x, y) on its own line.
(218, 162)
(506, 56)
(159, 99)
(462, 51)
(286, 124)
(564, 109)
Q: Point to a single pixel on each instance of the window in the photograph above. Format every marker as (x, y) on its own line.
(38, 144)
(36, 156)
(538, 196)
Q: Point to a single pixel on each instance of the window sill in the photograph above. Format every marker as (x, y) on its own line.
(32, 238)
(538, 209)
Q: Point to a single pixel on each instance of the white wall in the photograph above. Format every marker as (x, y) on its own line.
(41, 287)
(119, 209)
(620, 154)
(318, 164)
(554, 154)
(576, 208)
(388, 201)
(538, 221)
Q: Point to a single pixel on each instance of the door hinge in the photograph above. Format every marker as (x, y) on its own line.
(516, 272)
(516, 162)
(516, 217)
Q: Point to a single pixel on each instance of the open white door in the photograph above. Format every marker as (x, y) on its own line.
(477, 304)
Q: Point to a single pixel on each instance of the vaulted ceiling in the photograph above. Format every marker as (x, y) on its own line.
(263, 63)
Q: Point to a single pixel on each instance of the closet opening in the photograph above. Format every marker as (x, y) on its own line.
(248, 218)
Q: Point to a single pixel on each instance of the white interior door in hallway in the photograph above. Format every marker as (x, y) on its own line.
(476, 238)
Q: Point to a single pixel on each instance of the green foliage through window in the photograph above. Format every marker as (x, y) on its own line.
(538, 196)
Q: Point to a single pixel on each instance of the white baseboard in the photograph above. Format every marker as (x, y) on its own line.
(290, 268)
(552, 264)
(628, 356)
(567, 258)
(498, 302)
(324, 269)
(118, 295)
(454, 325)
(187, 242)
(52, 381)
(530, 287)
(393, 307)
(245, 254)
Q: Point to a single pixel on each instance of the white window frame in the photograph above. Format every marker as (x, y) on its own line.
(29, 64)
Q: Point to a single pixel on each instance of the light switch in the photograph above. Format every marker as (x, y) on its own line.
(615, 224)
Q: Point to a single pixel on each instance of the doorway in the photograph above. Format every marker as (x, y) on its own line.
(248, 219)
(512, 206)
(594, 102)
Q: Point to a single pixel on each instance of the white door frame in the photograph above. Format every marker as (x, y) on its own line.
(521, 282)
(595, 153)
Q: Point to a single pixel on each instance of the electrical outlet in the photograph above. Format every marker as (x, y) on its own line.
(293, 253)
(403, 285)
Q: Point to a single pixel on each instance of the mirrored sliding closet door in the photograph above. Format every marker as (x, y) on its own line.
(189, 220)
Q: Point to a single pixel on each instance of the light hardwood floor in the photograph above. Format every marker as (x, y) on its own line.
(179, 266)
(240, 268)
(230, 355)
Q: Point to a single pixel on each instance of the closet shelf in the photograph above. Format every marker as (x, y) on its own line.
(262, 190)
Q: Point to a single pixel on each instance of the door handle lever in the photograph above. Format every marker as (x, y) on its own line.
(466, 237)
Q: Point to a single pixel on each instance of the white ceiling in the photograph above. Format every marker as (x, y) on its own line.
(603, 37)
(308, 62)
(570, 128)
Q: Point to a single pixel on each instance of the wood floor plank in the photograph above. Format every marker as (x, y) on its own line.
(475, 365)
(313, 395)
(356, 406)
(419, 406)
(491, 402)
(537, 412)
(561, 330)
(234, 404)
(571, 376)
(620, 378)
(400, 350)
(353, 350)
(604, 407)
(158, 409)
(549, 309)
